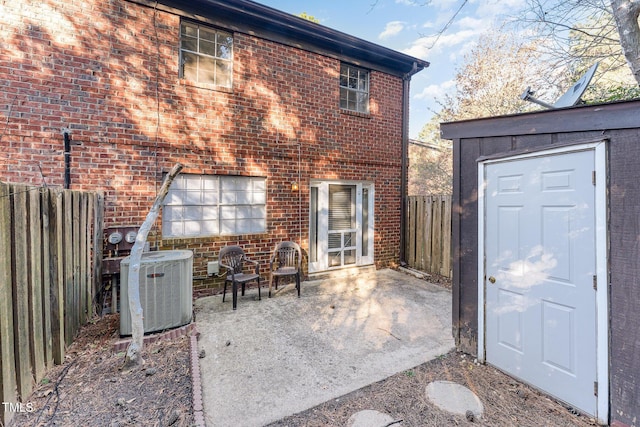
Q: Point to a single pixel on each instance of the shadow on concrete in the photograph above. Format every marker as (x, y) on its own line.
(280, 356)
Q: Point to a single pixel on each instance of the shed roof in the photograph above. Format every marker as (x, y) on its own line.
(254, 18)
(596, 117)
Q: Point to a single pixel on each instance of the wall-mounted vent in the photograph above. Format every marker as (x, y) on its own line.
(165, 290)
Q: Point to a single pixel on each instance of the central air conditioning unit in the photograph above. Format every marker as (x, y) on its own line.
(165, 290)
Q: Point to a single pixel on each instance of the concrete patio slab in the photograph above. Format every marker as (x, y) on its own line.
(279, 356)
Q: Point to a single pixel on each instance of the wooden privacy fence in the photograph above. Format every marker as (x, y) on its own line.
(50, 258)
(428, 239)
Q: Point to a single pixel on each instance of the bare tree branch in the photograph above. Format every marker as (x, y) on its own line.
(137, 327)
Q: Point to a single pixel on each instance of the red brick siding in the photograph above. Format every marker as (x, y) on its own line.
(91, 67)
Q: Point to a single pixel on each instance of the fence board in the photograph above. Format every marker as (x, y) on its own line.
(67, 256)
(446, 238)
(420, 231)
(21, 289)
(427, 238)
(8, 381)
(410, 239)
(58, 277)
(82, 259)
(98, 221)
(46, 280)
(36, 324)
(428, 242)
(47, 247)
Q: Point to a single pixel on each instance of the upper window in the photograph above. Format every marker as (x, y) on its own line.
(206, 54)
(212, 205)
(354, 88)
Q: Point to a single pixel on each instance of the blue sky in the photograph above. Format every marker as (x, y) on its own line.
(410, 26)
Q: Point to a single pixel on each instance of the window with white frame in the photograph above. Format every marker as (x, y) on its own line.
(213, 205)
(206, 54)
(354, 88)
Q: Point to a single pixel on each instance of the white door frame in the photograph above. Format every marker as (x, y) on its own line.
(323, 190)
(601, 233)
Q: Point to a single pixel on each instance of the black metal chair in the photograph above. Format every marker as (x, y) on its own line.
(234, 259)
(285, 261)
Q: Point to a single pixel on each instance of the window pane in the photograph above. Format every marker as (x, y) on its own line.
(210, 197)
(173, 229)
(210, 183)
(191, 228)
(259, 197)
(192, 213)
(207, 70)
(190, 43)
(228, 226)
(228, 198)
(349, 240)
(171, 213)
(342, 207)
(207, 35)
(258, 212)
(363, 102)
(189, 29)
(335, 259)
(174, 198)
(225, 46)
(208, 48)
(189, 66)
(210, 212)
(228, 212)
(228, 183)
(349, 257)
(192, 198)
(243, 197)
(335, 240)
(210, 228)
(243, 212)
(258, 226)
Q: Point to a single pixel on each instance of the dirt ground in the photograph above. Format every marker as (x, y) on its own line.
(92, 389)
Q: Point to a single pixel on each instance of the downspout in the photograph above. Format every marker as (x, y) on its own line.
(406, 80)
(67, 157)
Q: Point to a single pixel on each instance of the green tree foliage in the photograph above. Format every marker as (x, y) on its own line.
(304, 15)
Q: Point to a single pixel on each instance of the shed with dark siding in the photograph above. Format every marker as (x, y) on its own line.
(618, 126)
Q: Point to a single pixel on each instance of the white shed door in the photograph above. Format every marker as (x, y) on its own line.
(540, 262)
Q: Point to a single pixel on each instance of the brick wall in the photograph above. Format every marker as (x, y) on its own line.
(108, 72)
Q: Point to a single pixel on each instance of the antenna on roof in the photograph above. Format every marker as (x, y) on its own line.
(571, 97)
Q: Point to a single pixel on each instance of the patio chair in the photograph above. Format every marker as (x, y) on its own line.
(285, 261)
(234, 259)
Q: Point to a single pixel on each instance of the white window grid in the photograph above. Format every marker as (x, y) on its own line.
(354, 88)
(214, 205)
(206, 54)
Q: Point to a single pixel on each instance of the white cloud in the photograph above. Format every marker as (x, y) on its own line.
(436, 91)
(473, 23)
(406, 2)
(428, 46)
(391, 29)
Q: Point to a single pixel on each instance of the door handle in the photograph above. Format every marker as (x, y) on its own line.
(492, 279)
